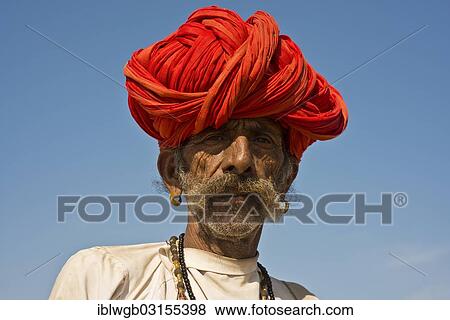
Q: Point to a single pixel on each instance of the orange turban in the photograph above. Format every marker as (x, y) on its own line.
(217, 67)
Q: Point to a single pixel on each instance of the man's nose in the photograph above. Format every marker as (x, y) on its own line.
(238, 158)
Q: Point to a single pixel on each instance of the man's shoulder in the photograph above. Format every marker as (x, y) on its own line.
(103, 272)
(291, 290)
(127, 251)
(124, 255)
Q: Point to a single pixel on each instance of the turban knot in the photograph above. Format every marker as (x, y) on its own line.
(218, 67)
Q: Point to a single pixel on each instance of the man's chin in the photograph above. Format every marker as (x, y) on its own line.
(231, 231)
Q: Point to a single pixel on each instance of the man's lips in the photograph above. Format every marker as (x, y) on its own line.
(233, 196)
(239, 197)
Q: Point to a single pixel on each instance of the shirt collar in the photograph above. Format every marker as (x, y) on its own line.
(211, 262)
(208, 261)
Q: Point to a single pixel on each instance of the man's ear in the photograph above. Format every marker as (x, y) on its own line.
(290, 179)
(167, 168)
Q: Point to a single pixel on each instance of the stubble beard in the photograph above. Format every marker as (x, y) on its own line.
(220, 214)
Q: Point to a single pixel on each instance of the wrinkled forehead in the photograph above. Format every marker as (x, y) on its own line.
(254, 124)
(246, 126)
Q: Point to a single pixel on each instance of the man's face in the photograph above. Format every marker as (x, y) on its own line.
(236, 174)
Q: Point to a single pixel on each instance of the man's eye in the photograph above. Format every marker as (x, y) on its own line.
(262, 139)
(215, 138)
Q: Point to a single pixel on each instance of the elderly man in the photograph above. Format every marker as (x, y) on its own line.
(233, 105)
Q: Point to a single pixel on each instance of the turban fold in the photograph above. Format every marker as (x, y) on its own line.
(218, 67)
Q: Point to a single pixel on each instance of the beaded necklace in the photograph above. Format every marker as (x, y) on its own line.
(182, 279)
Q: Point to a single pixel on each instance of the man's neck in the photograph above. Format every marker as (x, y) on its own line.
(196, 237)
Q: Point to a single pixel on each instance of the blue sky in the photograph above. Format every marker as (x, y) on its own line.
(66, 129)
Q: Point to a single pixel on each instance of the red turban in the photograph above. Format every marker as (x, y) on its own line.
(217, 67)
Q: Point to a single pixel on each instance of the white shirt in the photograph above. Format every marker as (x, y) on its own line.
(145, 271)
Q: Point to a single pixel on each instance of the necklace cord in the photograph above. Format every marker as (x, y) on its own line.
(266, 290)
